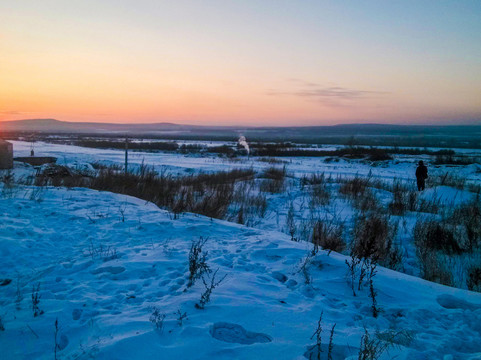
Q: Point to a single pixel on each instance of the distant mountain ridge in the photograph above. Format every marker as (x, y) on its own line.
(53, 125)
(59, 125)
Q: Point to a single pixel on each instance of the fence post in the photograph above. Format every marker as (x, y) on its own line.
(126, 154)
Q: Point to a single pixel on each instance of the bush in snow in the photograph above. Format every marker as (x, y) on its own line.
(319, 193)
(404, 199)
(181, 317)
(209, 287)
(355, 187)
(353, 271)
(437, 235)
(105, 253)
(377, 154)
(316, 349)
(454, 160)
(215, 200)
(250, 204)
(18, 295)
(56, 346)
(432, 265)
(372, 347)
(9, 186)
(291, 223)
(197, 260)
(304, 268)
(372, 291)
(157, 319)
(331, 343)
(206, 194)
(373, 238)
(317, 334)
(275, 173)
(59, 175)
(358, 191)
(275, 178)
(314, 179)
(367, 202)
(469, 217)
(474, 278)
(36, 301)
(328, 235)
(446, 179)
(448, 246)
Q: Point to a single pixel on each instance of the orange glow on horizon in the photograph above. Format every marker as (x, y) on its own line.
(293, 65)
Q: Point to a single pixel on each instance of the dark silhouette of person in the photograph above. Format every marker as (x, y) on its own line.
(421, 175)
(32, 153)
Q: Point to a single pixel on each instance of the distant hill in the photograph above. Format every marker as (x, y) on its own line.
(52, 125)
(468, 136)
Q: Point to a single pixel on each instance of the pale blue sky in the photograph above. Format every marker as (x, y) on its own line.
(269, 62)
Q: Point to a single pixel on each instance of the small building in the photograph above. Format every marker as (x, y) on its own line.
(6, 155)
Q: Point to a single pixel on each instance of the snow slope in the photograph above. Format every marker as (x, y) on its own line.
(262, 310)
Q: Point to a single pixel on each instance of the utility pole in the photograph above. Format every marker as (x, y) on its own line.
(126, 154)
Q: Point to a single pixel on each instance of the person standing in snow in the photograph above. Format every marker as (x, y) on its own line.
(421, 175)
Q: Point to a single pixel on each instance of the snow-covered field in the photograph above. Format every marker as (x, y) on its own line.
(103, 261)
(403, 167)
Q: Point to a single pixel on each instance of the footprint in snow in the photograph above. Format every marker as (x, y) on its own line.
(109, 269)
(76, 313)
(279, 276)
(452, 302)
(234, 333)
(62, 342)
(266, 255)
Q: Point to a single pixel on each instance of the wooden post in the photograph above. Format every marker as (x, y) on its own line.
(126, 154)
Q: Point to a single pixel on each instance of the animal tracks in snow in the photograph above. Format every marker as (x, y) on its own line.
(234, 333)
(452, 302)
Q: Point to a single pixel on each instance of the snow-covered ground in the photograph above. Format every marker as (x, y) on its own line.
(103, 302)
(104, 260)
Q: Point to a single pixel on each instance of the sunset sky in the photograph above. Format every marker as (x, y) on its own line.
(249, 62)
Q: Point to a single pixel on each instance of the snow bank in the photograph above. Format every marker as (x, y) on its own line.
(447, 195)
(263, 310)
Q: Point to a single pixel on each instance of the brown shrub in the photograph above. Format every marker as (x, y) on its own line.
(274, 180)
(433, 235)
(403, 200)
(206, 194)
(373, 239)
(355, 187)
(474, 278)
(328, 236)
(469, 217)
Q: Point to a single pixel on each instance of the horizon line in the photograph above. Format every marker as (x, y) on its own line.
(471, 122)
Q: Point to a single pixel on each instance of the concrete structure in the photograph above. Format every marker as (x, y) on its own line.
(37, 160)
(6, 155)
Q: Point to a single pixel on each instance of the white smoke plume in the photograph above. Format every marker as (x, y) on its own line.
(243, 142)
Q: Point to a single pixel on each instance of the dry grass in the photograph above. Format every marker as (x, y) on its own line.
(355, 187)
(373, 238)
(328, 236)
(404, 199)
(207, 194)
(274, 180)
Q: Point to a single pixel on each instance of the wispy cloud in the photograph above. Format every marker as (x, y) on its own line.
(11, 112)
(303, 82)
(331, 95)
